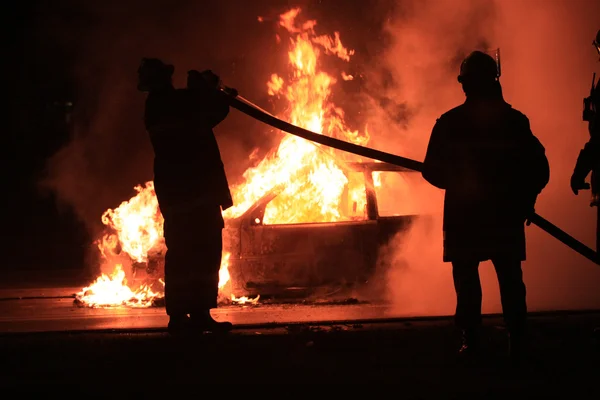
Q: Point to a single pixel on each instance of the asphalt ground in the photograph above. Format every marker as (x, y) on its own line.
(48, 344)
(416, 355)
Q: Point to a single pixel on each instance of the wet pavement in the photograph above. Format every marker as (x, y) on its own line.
(53, 310)
(44, 315)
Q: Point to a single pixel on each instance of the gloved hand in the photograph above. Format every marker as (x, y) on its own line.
(212, 80)
(529, 207)
(578, 183)
(231, 91)
(203, 80)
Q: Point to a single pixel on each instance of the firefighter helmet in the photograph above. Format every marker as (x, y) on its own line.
(202, 80)
(478, 67)
(152, 72)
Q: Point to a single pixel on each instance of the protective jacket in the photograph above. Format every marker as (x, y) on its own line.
(188, 170)
(589, 157)
(492, 167)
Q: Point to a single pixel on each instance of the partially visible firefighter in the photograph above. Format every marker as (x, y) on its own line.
(492, 168)
(191, 188)
(589, 158)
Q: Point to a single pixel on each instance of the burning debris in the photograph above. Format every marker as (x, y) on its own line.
(245, 300)
(111, 291)
(313, 180)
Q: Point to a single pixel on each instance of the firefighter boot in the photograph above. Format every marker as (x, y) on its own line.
(178, 324)
(203, 321)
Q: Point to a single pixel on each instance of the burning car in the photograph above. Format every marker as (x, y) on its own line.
(275, 259)
(262, 257)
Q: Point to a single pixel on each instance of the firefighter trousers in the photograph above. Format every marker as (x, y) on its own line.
(192, 261)
(468, 293)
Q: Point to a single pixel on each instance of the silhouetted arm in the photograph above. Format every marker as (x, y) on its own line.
(218, 108)
(539, 166)
(587, 157)
(435, 166)
(527, 166)
(533, 167)
(209, 107)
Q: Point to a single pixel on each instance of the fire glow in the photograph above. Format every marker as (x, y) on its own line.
(311, 176)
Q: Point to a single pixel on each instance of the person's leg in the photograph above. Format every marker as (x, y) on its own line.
(468, 302)
(204, 272)
(513, 298)
(175, 273)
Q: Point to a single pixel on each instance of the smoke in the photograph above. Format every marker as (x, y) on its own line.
(415, 281)
(547, 64)
(109, 151)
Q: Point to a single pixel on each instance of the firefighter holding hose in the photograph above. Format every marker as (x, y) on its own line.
(492, 167)
(191, 188)
(589, 158)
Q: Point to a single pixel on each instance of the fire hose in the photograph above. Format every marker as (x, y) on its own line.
(261, 115)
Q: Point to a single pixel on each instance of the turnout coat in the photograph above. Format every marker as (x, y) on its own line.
(492, 167)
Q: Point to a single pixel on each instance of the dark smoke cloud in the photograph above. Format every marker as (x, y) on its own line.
(547, 61)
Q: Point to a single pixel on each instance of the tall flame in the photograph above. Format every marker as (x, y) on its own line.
(313, 181)
(312, 178)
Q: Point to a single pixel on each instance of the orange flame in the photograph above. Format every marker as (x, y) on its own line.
(138, 222)
(110, 291)
(311, 177)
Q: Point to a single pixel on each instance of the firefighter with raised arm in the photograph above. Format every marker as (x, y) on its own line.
(191, 188)
(589, 158)
(492, 168)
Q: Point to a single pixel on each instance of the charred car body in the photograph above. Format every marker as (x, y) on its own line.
(296, 259)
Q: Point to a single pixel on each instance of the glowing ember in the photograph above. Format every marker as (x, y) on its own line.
(312, 178)
(244, 300)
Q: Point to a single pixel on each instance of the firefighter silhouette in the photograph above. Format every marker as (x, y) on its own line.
(589, 157)
(492, 168)
(191, 188)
